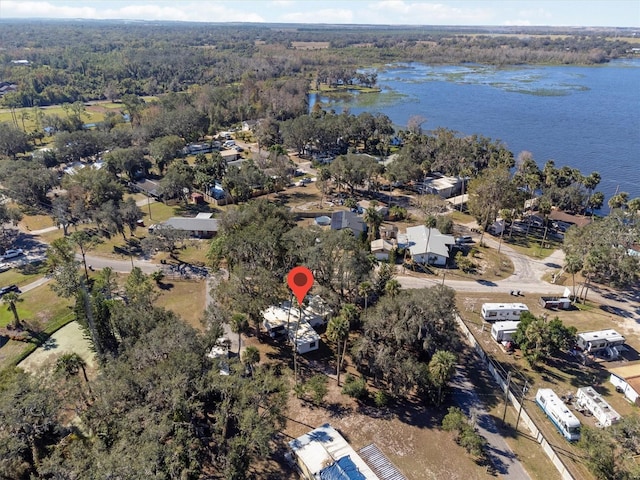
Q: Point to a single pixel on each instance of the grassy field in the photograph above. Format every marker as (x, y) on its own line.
(184, 297)
(92, 114)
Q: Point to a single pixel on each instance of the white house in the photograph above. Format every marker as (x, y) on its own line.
(428, 245)
(627, 381)
(381, 249)
(324, 454)
(284, 320)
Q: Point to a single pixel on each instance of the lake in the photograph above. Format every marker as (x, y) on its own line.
(584, 117)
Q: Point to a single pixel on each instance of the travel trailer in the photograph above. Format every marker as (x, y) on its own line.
(591, 400)
(592, 342)
(565, 421)
(503, 331)
(493, 312)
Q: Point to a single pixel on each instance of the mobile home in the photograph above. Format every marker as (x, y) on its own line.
(588, 398)
(503, 331)
(593, 342)
(492, 312)
(304, 337)
(565, 421)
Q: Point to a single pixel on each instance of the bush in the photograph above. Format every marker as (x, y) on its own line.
(355, 387)
(317, 385)
(381, 399)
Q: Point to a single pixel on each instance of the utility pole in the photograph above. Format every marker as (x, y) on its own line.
(524, 392)
(506, 397)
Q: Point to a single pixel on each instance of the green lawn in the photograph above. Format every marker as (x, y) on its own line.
(39, 308)
(22, 275)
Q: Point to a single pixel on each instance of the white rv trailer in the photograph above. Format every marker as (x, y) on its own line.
(503, 331)
(592, 342)
(588, 398)
(565, 421)
(493, 312)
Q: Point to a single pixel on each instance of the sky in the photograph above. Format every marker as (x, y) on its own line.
(582, 13)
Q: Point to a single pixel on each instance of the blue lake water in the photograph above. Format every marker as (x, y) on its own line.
(584, 117)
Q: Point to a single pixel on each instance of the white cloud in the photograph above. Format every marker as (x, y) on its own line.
(328, 15)
(427, 13)
(209, 11)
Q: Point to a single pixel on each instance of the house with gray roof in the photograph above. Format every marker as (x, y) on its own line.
(200, 226)
(428, 246)
(347, 219)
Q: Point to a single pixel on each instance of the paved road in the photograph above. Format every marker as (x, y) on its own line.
(504, 460)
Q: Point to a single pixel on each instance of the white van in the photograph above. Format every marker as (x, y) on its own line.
(229, 143)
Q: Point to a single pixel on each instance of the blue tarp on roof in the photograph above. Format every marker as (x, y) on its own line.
(343, 469)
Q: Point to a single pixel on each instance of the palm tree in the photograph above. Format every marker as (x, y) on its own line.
(392, 287)
(573, 264)
(373, 219)
(441, 368)
(619, 200)
(251, 356)
(70, 365)
(429, 222)
(10, 299)
(364, 289)
(239, 324)
(338, 332)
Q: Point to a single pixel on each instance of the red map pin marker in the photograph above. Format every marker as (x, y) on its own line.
(300, 280)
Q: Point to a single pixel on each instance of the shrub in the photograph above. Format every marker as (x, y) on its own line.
(381, 399)
(355, 387)
(317, 385)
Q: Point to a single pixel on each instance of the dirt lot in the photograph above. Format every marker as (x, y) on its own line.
(407, 432)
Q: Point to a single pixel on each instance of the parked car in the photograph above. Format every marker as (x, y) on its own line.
(465, 239)
(238, 148)
(10, 288)
(12, 253)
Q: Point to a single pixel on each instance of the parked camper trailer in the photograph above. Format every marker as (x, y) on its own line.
(503, 331)
(591, 400)
(593, 342)
(565, 421)
(554, 303)
(493, 312)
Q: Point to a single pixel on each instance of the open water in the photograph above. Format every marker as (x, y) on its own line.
(584, 117)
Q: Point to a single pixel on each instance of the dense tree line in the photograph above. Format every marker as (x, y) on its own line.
(158, 406)
(69, 62)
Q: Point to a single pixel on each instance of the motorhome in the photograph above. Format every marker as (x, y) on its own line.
(565, 421)
(493, 312)
(591, 400)
(592, 342)
(503, 331)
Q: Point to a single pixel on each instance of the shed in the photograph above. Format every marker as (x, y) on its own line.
(627, 381)
(381, 249)
(553, 303)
